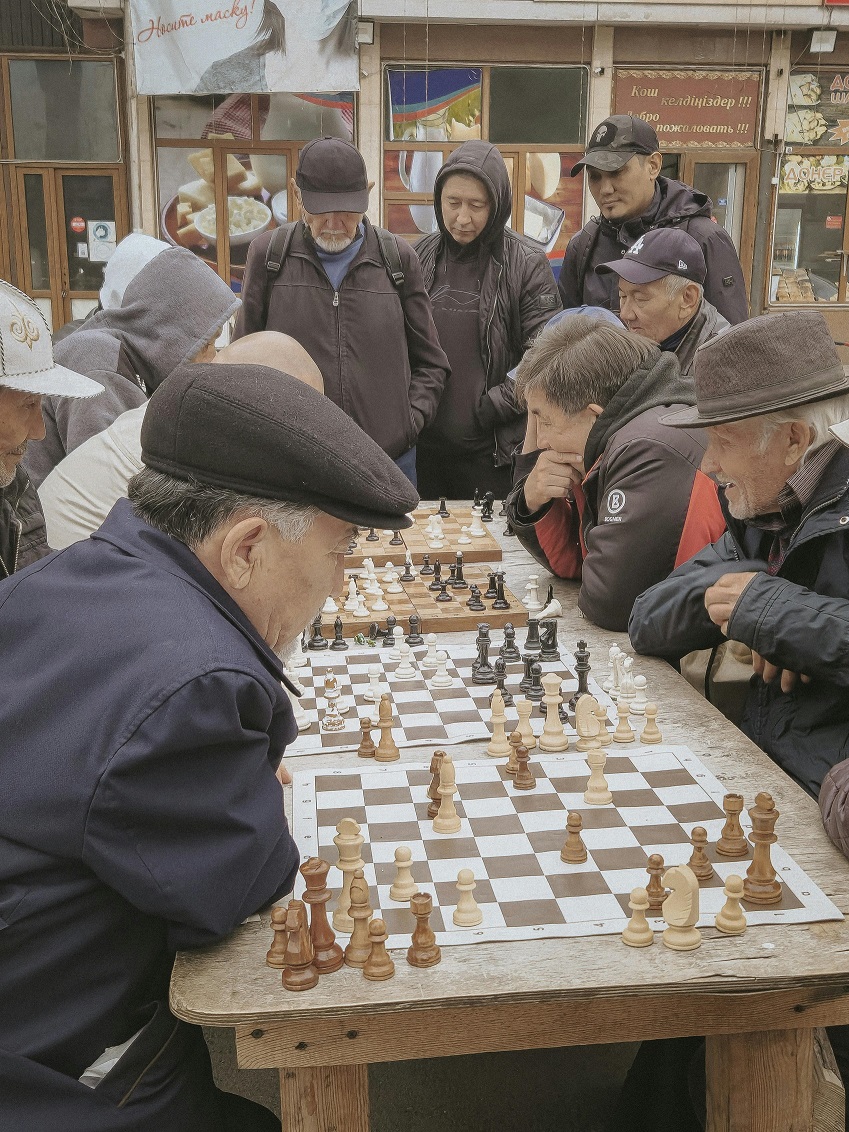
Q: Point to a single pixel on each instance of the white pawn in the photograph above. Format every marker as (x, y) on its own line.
(638, 704)
(464, 539)
(442, 678)
(403, 886)
(375, 689)
(624, 732)
(330, 605)
(361, 611)
(638, 933)
(730, 919)
(394, 586)
(467, 914)
(430, 658)
(651, 732)
(379, 605)
(406, 670)
(397, 641)
(388, 572)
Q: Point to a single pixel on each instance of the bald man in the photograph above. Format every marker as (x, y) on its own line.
(83, 488)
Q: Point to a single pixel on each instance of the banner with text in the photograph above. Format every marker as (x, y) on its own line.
(245, 47)
(708, 109)
(818, 108)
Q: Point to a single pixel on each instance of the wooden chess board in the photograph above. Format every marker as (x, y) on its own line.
(482, 549)
(511, 840)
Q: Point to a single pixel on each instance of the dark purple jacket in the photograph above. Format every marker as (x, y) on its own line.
(141, 724)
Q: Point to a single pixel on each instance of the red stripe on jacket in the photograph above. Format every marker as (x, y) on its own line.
(704, 523)
(561, 536)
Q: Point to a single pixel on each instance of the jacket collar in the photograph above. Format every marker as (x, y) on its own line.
(125, 530)
(369, 250)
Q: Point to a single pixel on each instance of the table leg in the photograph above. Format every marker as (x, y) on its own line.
(328, 1098)
(760, 1082)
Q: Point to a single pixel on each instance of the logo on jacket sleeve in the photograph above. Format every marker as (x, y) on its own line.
(615, 501)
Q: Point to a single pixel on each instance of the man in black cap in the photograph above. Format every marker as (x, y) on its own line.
(142, 723)
(353, 296)
(661, 293)
(623, 164)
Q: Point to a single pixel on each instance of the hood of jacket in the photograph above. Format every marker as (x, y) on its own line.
(658, 383)
(482, 160)
(171, 309)
(673, 201)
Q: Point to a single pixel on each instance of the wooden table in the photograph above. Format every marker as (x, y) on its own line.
(756, 997)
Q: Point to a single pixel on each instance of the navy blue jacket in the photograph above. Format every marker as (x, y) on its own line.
(142, 720)
(798, 619)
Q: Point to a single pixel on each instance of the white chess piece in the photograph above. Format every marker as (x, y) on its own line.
(610, 684)
(442, 678)
(638, 704)
(387, 572)
(464, 539)
(627, 691)
(301, 718)
(406, 670)
(397, 641)
(394, 586)
(477, 529)
(353, 594)
(298, 658)
(362, 610)
(467, 914)
(409, 568)
(330, 605)
(403, 886)
(531, 599)
(429, 660)
(379, 605)
(375, 689)
(597, 792)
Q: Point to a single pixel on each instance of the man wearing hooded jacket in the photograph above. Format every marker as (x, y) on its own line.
(492, 291)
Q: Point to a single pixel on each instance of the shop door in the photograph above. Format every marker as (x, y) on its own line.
(731, 182)
(67, 223)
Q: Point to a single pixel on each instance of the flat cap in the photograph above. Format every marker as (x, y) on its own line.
(258, 431)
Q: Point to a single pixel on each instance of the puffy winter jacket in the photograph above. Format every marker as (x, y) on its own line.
(23, 534)
(643, 508)
(518, 291)
(674, 205)
(798, 619)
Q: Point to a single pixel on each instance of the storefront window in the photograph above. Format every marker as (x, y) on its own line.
(64, 110)
(536, 116)
(231, 182)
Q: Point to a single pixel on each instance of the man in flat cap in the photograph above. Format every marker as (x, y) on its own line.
(142, 723)
(354, 297)
(623, 164)
(778, 581)
(660, 280)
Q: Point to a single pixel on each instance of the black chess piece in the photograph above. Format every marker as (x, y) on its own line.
(317, 640)
(476, 501)
(426, 569)
(549, 650)
(582, 671)
(492, 588)
(437, 576)
(389, 633)
(443, 511)
(483, 636)
(550, 596)
(527, 677)
(452, 571)
(374, 632)
(396, 539)
(443, 594)
(500, 670)
(488, 504)
(508, 530)
(536, 690)
(503, 510)
(408, 575)
(482, 670)
(532, 641)
(474, 603)
(414, 638)
(509, 649)
(459, 582)
(501, 601)
(338, 644)
(372, 535)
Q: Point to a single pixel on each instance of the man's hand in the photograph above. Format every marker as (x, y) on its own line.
(768, 673)
(554, 475)
(283, 775)
(721, 597)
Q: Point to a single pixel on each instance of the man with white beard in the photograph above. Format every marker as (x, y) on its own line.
(353, 296)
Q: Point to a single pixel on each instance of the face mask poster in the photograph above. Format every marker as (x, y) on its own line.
(244, 47)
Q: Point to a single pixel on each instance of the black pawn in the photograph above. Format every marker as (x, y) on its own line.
(582, 671)
(415, 638)
(501, 601)
(509, 649)
(408, 575)
(536, 690)
(474, 603)
(532, 641)
(527, 676)
(317, 641)
(503, 510)
(443, 511)
(548, 638)
(488, 504)
(389, 635)
(426, 568)
(338, 644)
(459, 582)
(396, 539)
(492, 588)
(372, 535)
(443, 594)
(437, 576)
(500, 670)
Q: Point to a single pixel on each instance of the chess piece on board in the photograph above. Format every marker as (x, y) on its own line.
(574, 852)
(524, 709)
(429, 660)
(276, 954)
(651, 732)
(467, 914)
(447, 820)
(761, 885)
(442, 678)
(375, 689)
(366, 748)
(597, 792)
(731, 920)
(549, 647)
(509, 649)
(512, 762)
(624, 733)
(406, 670)
(403, 887)
(638, 933)
(327, 954)
(681, 909)
(655, 888)
(532, 640)
(414, 638)
(423, 950)
(582, 671)
(587, 724)
(524, 780)
(499, 745)
(604, 737)
(338, 644)
(500, 670)
(638, 704)
(699, 862)
(299, 974)
(378, 966)
(387, 749)
(359, 945)
(501, 603)
(302, 719)
(536, 690)
(531, 599)
(554, 737)
(732, 840)
(433, 789)
(349, 842)
(474, 602)
(317, 640)
(332, 720)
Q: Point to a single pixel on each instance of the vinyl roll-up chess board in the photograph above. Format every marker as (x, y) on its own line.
(511, 840)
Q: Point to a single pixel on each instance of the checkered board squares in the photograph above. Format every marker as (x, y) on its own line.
(482, 549)
(424, 716)
(511, 840)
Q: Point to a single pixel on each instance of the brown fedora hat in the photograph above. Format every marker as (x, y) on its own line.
(761, 366)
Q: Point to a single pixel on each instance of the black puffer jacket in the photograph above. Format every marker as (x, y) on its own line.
(675, 205)
(798, 620)
(518, 291)
(23, 534)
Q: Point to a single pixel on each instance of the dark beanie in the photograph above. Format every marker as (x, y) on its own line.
(260, 432)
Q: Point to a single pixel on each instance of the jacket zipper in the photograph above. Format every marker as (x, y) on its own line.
(487, 374)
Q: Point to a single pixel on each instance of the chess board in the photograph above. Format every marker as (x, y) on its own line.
(485, 548)
(436, 616)
(425, 716)
(511, 840)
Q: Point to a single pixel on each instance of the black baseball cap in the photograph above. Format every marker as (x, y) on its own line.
(260, 432)
(663, 251)
(331, 175)
(615, 141)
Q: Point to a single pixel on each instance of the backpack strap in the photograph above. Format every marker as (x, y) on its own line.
(391, 256)
(275, 254)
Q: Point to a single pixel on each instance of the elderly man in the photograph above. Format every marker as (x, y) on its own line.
(778, 580)
(142, 722)
(492, 292)
(84, 487)
(605, 492)
(353, 296)
(661, 293)
(27, 374)
(623, 163)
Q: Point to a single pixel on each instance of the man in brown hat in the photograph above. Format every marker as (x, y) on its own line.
(767, 392)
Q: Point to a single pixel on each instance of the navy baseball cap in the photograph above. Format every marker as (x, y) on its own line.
(661, 252)
(331, 175)
(615, 141)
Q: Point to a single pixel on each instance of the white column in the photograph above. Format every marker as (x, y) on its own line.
(369, 134)
(600, 95)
